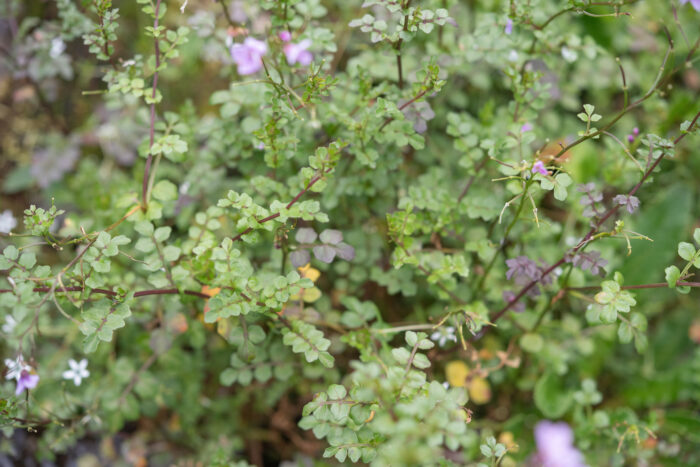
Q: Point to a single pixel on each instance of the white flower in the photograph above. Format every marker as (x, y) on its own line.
(443, 335)
(78, 371)
(446, 385)
(57, 47)
(7, 221)
(568, 54)
(15, 368)
(184, 188)
(513, 56)
(10, 324)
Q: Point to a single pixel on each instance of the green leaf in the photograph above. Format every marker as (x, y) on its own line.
(532, 343)
(171, 253)
(28, 260)
(161, 234)
(686, 250)
(165, 190)
(336, 392)
(354, 453)
(145, 228)
(551, 398)
(625, 333)
(672, 275)
(411, 338)
(11, 252)
(326, 359)
(401, 355)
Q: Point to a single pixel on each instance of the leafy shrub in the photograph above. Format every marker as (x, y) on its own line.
(394, 233)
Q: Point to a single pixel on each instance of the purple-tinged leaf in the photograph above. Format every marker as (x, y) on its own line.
(345, 251)
(299, 258)
(331, 236)
(631, 203)
(590, 260)
(305, 235)
(324, 253)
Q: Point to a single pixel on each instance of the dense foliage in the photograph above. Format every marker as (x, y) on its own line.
(404, 232)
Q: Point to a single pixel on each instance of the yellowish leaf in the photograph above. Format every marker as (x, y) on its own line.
(506, 438)
(456, 373)
(311, 295)
(309, 272)
(479, 391)
(223, 327)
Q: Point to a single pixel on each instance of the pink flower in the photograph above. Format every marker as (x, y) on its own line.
(539, 168)
(298, 53)
(555, 445)
(27, 380)
(509, 27)
(633, 136)
(248, 55)
(694, 3)
(285, 36)
(525, 128)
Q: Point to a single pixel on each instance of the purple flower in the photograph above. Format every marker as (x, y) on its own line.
(539, 168)
(555, 445)
(285, 36)
(631, 203)
(248, 55)
(525, 128)
(508, 297)
(298, 53)
(27, 380)
(509, 27)
(694, 3)
(633, 136)
(590, 260)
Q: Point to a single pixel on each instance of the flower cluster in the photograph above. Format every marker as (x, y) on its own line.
(248, 56)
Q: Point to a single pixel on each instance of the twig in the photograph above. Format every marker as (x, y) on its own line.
(289, 205)
(151, 134)
(655, 285)
(591, 232)
(111, 293)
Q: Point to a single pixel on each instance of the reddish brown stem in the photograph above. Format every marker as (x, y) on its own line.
(289, 205)
(111, 293)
